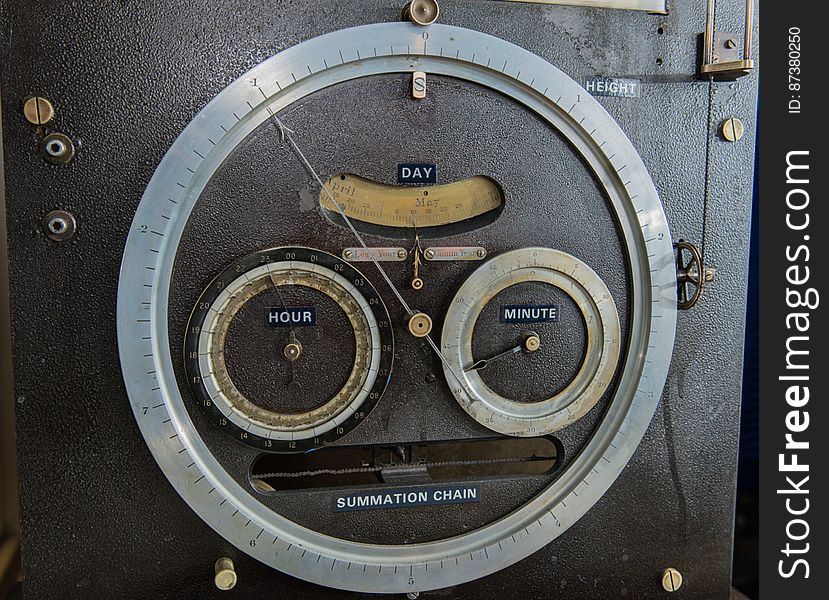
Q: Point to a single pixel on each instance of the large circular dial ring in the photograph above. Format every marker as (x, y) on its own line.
(161, 217)
(262, 271)
(585, 287)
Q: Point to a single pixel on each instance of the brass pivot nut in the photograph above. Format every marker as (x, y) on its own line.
(38, 111)
(671, 580)
(292, 351)
(532, 343)
(733, 129)
(417, 283)
(225, 578)
(420, 325)
(422, 12)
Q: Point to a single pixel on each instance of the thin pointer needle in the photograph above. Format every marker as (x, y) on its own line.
(291, 335)
(286, 134)
(531, 343)
(485, 362)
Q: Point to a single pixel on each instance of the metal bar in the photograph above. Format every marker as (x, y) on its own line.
(749, 28)
(653, 6)
(709, 33)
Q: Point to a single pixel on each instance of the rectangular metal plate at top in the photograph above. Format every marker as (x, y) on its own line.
(653, 6)
(455, 253)
(378, 254)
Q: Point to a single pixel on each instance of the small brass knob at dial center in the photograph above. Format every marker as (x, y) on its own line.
(532, 343)
(292, 351)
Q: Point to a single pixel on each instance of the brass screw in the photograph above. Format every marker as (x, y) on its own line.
(225, 578)
(733, 129)
(38, 111)
(348, 254)
(731, 43)
(402, 253)
(671, 580)
(481, 253)
(430, 254)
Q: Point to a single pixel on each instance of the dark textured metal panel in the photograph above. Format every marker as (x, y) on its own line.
(99, 517)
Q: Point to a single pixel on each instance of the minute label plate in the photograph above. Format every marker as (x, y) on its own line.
(529, 313)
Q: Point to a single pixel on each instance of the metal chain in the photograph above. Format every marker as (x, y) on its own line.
(707, 189)
(709, 143)
(432, 465)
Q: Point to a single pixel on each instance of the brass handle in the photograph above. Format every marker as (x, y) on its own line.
(734, 68)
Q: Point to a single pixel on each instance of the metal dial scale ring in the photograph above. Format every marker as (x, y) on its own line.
(160, 219)
(261, 271)
(585, 288)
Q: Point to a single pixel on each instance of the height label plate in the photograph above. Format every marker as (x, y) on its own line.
(616, 87)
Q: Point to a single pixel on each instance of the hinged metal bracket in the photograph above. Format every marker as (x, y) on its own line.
(691, 275)
(721, 57)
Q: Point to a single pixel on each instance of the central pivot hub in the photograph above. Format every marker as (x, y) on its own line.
(292, 351)
(420, 324)
(532, 342)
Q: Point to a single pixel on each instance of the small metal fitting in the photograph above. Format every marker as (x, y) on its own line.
(225, 578)
(422, 12)
(59, 225)
(57, 148)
